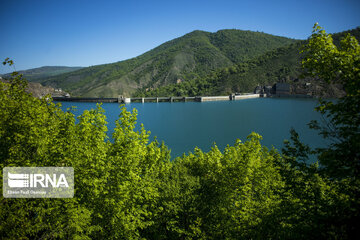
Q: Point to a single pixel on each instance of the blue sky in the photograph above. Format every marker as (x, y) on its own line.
(84, 33)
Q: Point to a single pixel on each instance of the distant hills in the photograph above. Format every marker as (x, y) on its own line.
(186, 58)
(36, 74)
(198, 63)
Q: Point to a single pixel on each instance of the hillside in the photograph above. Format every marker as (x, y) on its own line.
(280, 65)
(186, 58)
(40, 91)
(37, 74)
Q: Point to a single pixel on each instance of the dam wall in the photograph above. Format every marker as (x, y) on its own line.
(231, 97)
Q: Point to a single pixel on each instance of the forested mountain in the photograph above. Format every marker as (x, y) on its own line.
(280, 65)
(36, 74)
(189, 57)
(270, 68)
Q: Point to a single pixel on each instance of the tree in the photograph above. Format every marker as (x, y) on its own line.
(239, 189)
(36, 132)
(331, 191)
(116, 184)
(337, 64)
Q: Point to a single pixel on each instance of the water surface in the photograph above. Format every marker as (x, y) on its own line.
(184, 125)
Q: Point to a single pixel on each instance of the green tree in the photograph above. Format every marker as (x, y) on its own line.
(337, 64)
(36, 132)
(116, 184)
(326, 197)
(238, 189)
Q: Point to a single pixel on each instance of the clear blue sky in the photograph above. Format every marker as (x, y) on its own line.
(83, 33)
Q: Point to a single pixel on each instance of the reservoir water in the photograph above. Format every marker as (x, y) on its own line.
(185, 125)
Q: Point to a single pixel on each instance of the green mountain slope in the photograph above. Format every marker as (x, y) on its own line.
(279, 65)
(186, 58)
(38, 74)
(243, 77)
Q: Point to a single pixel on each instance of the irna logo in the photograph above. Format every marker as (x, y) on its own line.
(38, 182)
(19, 180)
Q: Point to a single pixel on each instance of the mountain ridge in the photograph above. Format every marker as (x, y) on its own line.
(280, 65)
(197, 63)
(188, 57)
(34, 74)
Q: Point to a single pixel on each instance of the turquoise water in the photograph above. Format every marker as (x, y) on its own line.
(182, 126)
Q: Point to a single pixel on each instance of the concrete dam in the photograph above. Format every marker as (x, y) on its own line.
(121, 99)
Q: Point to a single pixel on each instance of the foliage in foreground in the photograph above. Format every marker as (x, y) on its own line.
(129, 189)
